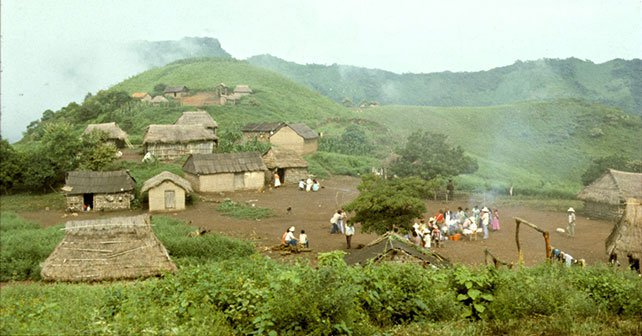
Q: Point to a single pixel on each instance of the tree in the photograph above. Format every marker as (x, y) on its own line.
(159, 89)
(427, 155)
(599, 166)
(96, 152)
(10, 167)
(381, 203)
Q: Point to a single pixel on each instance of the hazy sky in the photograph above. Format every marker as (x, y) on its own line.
(54, 52)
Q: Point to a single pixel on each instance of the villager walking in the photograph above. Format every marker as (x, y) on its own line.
(570, 229)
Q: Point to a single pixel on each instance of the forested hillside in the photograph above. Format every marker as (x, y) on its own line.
(616, 83)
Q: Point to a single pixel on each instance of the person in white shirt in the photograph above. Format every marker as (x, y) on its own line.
(570, 228)
(303, 239)
(289, 237)
(349, 233)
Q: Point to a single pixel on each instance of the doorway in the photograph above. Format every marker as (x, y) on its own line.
(170, 199)
(281, 173)
(88, 200)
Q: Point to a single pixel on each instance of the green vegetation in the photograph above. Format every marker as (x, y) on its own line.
(601, 165)
(259, 296)
(243, 211)
(616, 83)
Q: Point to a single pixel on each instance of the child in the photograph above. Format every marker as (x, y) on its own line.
(303, 239)
(349, 232)
(301, 185)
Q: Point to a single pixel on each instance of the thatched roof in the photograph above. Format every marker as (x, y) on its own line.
(203, 164)
(98, 182)
(107, 249)
(613, 188)
(392, 247)
(176, 89)
(112, 130)
(626, 237)
(282, 158)
(242, 89)
(178, 134)
(139, 95)
(262, 127)
(159, 99)
(166, 176)
(304, 131)
(196, 118)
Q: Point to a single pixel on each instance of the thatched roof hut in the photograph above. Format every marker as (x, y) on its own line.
(107, 249)
(166, 192)
(225, 171)
(242, 89)
(605, 197)
(168, 142)
(626, 237)
(289, 165)
(159, 100)
(114, 133)
(393, 248)
(108, 190)
(197, 118)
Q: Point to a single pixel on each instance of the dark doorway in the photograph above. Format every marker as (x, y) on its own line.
(88, 199)
(281, 173)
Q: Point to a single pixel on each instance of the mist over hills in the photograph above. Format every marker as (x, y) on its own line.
(615, 83)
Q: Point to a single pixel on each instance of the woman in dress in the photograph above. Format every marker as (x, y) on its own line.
(277, 180)
(495, 222)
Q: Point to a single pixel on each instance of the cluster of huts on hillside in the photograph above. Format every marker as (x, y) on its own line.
(221, 94)
(194, 135)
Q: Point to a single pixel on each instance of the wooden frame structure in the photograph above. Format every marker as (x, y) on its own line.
(547, 240)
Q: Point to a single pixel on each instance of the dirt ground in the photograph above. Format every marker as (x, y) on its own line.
(311, 211)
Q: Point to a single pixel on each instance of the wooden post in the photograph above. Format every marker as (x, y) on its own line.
(547, 241)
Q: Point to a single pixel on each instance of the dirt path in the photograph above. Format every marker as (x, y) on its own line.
(312, 211)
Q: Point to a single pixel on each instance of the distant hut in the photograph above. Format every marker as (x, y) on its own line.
(626, 237)
(158, 100)
(197, 118)
(231, 99)
(605, 197)
(169, 142)
(297, 137)
(114, 134)
(225, 171)
(243, 90)
(393, 248)
(221, 90)
(176, 91)
(289, 165)
(100, 190)
(107, 249)
(166, 192)
(142, 96)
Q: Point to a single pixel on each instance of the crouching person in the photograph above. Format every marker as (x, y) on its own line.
(290, 240)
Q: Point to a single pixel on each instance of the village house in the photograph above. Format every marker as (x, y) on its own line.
(218, 172)
(626, 237)
(107, 249)
(115, 135)
(176, 91)
(289, 165)
(142, 96)
(296, 137)
(166, 192)
(243, 90)
(197, 118)
(606, 196)
(169, 142)
(99, 190)
(158, 100)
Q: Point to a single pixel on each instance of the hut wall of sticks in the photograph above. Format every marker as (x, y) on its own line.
(626, 237)
(606, 197)
(107, 249)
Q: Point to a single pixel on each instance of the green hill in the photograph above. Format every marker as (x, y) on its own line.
(159, 53)
(616, 83)
(540, 146)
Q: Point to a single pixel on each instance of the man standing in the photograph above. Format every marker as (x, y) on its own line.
(570, 229)
(349, 232)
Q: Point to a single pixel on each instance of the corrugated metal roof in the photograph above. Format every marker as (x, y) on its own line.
(204, 164)
(97, 182)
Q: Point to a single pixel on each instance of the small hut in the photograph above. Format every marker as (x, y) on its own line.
(159, 100)
(626, 237)
(108, 190)
(142, 96)
(218, 172)
(391, 247)
(169, 142)
(289, 165)
(114, 134)
(166, 192)
(296, 137)
(176, 91)
(606, 196)
(197, 118)
(107, 249)
(243, 90)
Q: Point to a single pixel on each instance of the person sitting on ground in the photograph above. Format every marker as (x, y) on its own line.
(315, 185)
(308, 184)
(303, 239)
(301, 185)
(289, 237)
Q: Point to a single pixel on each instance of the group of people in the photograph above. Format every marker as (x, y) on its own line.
(340, 224)
(450, 223)
(288, 238)
(309, 185)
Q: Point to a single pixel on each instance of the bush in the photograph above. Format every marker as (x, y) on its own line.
(25, 245)
(210, 247)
